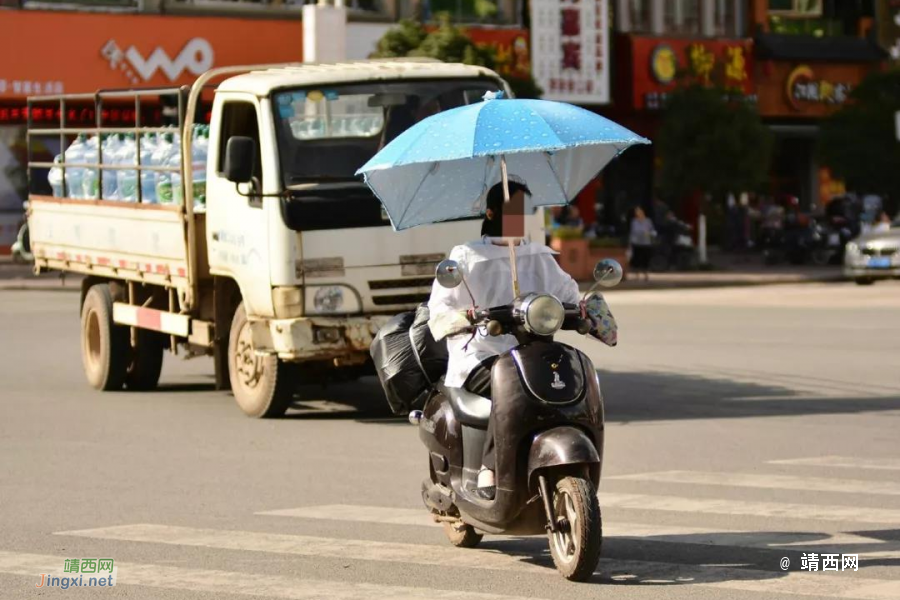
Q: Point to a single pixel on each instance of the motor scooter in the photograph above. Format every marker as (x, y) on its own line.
(548, 412)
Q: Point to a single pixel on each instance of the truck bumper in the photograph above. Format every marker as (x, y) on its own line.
(854, 272)
(316, 338)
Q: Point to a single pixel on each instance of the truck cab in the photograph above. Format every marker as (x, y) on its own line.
(290, 267)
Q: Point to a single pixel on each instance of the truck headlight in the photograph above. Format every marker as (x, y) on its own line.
(544, 314)
(329, 299)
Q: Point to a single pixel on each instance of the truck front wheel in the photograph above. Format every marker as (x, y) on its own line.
(104, 345)
(262, 385)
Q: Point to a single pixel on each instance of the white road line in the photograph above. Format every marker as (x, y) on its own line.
(773, 482)
(358, 514)
(843, 543)
(886, 464)
(230, 582)
(830, 585)
(303, 545)
(808, 512)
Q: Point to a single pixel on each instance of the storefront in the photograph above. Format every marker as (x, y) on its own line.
(795, 95)
(80, 52)
(648, 69)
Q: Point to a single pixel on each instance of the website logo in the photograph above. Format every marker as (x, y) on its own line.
(196, 57)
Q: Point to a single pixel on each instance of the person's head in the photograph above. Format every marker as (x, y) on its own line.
(494, 207)
(639, 213)
(883, 217)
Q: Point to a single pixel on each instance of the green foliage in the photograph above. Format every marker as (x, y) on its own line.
(447, 43)
(858, 142)
(710, 142)
(399, 41)
(566, 232)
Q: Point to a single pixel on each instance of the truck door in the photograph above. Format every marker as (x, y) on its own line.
(237, 225)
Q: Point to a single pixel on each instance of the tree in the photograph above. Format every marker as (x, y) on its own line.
(447, 43)
(858, 142)
(713, 141)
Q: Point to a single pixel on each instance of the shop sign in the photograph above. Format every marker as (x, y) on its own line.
(82, 52)
(510, 47)
(802, 88)
(570, 49)
(888, 20)
(659, 64)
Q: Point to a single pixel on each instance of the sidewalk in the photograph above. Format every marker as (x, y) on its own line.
(729, 272)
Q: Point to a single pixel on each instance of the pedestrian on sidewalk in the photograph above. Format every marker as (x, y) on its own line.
(640, 240)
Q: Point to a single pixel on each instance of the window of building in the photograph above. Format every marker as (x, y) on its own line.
(637, 17)
(682, 17)
(818, 18)
(724, 18)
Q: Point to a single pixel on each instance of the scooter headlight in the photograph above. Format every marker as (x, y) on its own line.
(544, 314)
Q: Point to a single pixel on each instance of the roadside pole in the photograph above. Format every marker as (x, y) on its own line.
(324, 32)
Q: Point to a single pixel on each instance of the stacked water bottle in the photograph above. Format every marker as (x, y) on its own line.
(157, 149)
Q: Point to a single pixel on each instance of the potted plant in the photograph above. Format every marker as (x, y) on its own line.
(607, 247)
(572, 247)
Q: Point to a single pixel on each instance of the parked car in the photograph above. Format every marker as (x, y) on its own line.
(874, 256)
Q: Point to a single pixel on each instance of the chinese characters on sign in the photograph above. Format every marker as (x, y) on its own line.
(88, 565)
(659, 65)
(30, 88)
(570, 49)
(802, 87)
(829, 562)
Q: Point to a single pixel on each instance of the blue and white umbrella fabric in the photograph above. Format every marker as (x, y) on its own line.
(441, 168)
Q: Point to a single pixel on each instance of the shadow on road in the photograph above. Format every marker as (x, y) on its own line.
(697, 558)
(629, 397)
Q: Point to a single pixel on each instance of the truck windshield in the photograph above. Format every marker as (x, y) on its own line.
(326, 133)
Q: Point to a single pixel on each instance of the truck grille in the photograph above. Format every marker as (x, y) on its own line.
(869, 251)
(407, 291)
(391, 284)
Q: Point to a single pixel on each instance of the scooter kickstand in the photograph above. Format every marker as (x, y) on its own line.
(545, 496)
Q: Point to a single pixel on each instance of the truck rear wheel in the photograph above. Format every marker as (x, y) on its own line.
(262, 385)
(104, 345)
(146, 361)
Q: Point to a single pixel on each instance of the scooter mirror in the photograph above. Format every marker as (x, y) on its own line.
(608, 273)
(448, 274)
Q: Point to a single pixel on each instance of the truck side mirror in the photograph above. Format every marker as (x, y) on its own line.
(240, 159)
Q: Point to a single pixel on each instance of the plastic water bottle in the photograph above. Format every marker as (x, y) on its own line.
(148, 178)
(90, 185)
(55, 177)
(75, 176)
(199, 152)
(163, 156)
(126, 180)
(109, 151)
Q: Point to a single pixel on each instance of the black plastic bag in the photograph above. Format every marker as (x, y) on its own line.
(408, 360)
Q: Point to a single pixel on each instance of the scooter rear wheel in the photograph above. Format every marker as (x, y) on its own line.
(462, 535)
(576, 543)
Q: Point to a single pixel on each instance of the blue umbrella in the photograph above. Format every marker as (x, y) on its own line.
(441, 168)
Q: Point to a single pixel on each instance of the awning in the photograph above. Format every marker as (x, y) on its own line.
(776, 46)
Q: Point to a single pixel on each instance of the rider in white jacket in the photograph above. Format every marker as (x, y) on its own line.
(486, 266)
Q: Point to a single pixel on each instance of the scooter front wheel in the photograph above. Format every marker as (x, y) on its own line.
(576, 542)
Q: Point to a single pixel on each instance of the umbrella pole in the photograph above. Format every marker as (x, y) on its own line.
(505, 178)
(512, 264)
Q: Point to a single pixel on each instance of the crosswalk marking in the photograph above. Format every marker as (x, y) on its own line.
(812, 512)
(847, 543)
(359, 514)
(303, 545)
(782, 482)
(248, 584)
(830, 585)
(886, 464)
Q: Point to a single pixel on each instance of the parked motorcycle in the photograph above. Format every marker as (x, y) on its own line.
(548, 413)
(675, 248)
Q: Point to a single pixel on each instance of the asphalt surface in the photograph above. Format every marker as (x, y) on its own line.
(745, 425)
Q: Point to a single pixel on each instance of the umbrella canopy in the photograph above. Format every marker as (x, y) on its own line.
(442, 167)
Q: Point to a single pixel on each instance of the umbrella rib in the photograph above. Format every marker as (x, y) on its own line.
(416, 193)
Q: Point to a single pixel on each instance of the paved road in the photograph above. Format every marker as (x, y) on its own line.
(744, 425)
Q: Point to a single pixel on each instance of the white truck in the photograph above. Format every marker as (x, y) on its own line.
(289, 267)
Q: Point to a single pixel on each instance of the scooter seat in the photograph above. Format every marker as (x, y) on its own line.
(469, 408)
